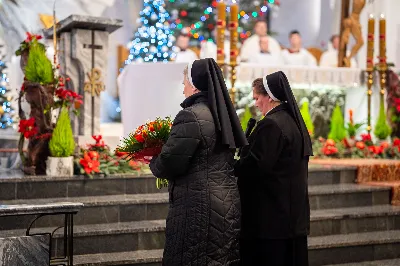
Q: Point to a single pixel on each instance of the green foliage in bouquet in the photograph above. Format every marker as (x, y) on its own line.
(38, 68)
(62, 143)
(245, 118)
(305, 113)
(337, 129)
(353, 129)
(382, 129)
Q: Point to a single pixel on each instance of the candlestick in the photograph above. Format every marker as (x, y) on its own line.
(220, 38)
(370, 66)
(233, 27)
(370, 43)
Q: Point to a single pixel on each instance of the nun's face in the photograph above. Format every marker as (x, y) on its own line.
(262, 102)
(188, 89)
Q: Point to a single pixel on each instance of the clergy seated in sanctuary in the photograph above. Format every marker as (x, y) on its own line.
(265, 57)
(330, 57)
(184, 55)
(296, 55)
(251, 46)
(272, 177)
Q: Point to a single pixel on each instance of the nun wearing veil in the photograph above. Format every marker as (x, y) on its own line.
(272, 177)
(203, 223)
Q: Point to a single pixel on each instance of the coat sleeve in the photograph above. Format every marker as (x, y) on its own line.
(180, 147)
(264, 150)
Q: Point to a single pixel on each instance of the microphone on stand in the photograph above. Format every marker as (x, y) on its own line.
(250, 125)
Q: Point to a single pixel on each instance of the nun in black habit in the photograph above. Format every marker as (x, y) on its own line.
(272, 177)
(203, 223)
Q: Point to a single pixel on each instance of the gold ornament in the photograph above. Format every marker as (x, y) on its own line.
(94, 85)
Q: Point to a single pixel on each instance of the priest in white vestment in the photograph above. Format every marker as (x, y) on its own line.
(330, 58)
(296, 55)
(265, 57)
(251, 46)
(184, 54)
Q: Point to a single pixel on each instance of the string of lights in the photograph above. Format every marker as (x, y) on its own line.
(6, 111)
(194, 29)
(153, 41)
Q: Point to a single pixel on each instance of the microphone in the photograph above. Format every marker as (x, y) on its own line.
(250, 125)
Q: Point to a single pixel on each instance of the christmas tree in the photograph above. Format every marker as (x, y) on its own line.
(197, 18)
(6, 111)
(154, 39)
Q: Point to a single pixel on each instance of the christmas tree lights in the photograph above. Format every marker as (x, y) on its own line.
(153, 41)
(6, 111)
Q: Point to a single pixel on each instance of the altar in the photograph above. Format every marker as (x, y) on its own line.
(151, 90)
(148, 91)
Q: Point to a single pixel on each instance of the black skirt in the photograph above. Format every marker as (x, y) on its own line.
(274, 252)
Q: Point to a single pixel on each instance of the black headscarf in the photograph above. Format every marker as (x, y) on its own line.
(278, 88)
(206, 76)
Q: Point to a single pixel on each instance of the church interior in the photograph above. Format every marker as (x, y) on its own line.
(80, 78)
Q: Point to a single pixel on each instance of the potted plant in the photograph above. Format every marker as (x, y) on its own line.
(62, 146)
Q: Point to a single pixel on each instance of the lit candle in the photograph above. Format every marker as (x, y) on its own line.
(370, 44)
(382, 42)
(221, 23)
(233, 26)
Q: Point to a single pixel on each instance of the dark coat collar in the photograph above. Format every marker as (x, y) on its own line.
(282, 106)
(200, 97)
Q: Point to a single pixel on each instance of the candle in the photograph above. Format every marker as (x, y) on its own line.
(233, 26)
(221, 18)
(370, 44)
(382, 42)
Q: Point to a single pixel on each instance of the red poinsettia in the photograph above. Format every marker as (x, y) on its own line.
(27, 127)
(90, 165)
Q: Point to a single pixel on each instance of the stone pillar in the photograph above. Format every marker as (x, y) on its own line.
(82, 54)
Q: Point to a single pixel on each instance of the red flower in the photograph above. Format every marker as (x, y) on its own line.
(396, 142)
(89, 165)
(97, 138)
(375, 149)
(30, 37)
(135, 165)
(151, 127)
(139, 138)
(94, 155)
(27, 128)
(385, 145)
(23, 87)
(120, 153)
(330, 142)
(360, 145)
(366, 137)
(329, 150)
(397, 104)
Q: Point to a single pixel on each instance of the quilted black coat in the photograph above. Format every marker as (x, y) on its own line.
(203, 223)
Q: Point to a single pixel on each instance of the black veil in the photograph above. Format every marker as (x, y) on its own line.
(205, 75)
(278, 88)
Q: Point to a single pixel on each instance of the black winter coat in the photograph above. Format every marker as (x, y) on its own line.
(203, 223)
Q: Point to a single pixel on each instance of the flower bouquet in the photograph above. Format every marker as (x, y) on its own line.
(147, 141)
